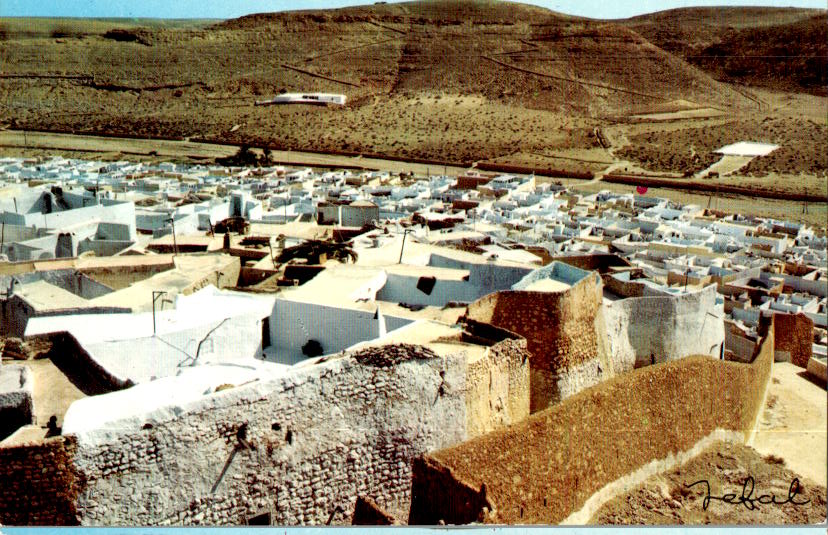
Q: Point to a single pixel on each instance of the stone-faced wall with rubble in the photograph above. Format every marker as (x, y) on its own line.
(498, 386)
(38, 484)
(546, 467)
(565, 333)
(794, 335)
(301, 447)
(648, 330)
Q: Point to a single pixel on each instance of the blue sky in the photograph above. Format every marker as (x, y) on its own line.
(236, 8)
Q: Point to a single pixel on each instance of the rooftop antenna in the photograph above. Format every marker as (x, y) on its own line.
(155, 295)
(405, 233)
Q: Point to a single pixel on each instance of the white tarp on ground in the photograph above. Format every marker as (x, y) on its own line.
(747, 148)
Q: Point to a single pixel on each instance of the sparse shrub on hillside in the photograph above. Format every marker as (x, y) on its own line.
(788, 57)
(133, 35)
(64, 30)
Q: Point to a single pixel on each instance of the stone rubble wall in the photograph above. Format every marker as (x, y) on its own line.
(498, 388)
(302, 447)
(38, 484)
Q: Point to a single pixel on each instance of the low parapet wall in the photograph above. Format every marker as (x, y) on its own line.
(547, 467)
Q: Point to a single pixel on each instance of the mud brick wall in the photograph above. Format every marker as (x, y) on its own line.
(546, 467)
(301, 447)
(498, 388)
(38, 484)
(564, 333)
(794, 333)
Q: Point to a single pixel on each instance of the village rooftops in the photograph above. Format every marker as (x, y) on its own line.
(191, 271)
(162, 399)
(417, 253)
(209, 326)
(187, 311)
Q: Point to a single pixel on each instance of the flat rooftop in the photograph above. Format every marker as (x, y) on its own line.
(747, 148)
(44, 296)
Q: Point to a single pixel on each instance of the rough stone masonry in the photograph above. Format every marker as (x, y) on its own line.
(302, 447)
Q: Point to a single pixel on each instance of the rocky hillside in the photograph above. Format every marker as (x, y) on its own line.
(441, 80)
(779, 48)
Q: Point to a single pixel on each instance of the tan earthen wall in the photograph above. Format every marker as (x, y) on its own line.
(794, 333)
(38, 484)
(563, 330)
(548, 466)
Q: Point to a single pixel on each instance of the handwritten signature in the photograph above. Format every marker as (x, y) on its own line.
(747, 499)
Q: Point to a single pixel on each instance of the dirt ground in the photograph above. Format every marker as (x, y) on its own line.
(14, 143)
(794, 425)
(667, 499)
(53, 391)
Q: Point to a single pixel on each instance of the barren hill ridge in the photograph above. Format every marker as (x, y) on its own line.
(779, 48)
(440, 80)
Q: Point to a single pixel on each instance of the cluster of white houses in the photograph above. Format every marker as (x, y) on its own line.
(163, 330)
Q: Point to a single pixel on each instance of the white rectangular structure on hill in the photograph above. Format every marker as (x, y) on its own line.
(747, 148)
(304, 98)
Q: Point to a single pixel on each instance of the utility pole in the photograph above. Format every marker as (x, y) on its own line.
(405, 233)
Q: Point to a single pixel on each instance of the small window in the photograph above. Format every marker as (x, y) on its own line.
(426, 284)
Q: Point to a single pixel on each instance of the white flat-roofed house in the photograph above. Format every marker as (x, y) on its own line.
(305, 98)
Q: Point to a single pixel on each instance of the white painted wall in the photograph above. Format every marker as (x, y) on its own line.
(643, 329)
(293, 324)
(403, 289)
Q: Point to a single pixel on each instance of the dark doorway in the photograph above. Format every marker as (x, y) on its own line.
(265, 333)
